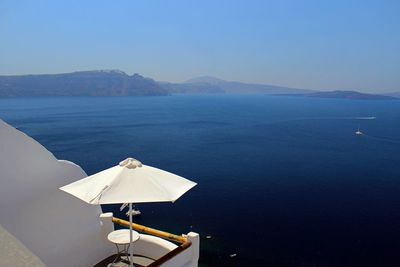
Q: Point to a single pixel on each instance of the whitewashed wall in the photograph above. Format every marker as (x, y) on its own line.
(60, 229)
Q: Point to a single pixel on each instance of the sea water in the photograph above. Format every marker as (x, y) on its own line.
(282, 181)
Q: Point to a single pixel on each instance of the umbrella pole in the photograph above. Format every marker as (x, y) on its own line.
(130, 236)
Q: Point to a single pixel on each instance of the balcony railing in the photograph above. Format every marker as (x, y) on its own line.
(181, 241)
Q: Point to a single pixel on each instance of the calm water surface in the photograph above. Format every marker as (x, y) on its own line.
(282, 181)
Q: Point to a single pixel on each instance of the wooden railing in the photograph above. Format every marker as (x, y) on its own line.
(183, 241)
(171, 254)
(151, 231)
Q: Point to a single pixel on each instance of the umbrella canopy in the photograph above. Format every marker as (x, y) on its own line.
(129, 182)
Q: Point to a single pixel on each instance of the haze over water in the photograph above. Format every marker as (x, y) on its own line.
(282, 181)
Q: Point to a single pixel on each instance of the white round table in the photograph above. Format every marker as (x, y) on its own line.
(122, 238)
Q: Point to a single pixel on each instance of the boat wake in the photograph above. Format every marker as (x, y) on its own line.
(323, 118)
(362, 118)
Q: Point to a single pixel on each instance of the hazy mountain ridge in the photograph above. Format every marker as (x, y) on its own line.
(82, 83)
(118, 83)
(195, 88)
(205, 80)
(209, 84)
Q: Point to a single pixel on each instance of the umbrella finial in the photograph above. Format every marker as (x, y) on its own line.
(130, 163)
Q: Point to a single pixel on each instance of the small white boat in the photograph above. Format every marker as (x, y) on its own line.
(135, 212)
(358, 132)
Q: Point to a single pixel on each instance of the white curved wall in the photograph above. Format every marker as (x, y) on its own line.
(60, 229)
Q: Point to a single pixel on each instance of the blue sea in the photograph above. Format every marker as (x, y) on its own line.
(282, 181)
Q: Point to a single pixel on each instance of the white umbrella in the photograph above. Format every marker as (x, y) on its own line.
(129, 182)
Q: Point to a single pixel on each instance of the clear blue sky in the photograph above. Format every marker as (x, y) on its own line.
(320, 44)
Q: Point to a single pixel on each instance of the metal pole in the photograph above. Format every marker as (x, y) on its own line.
(130, 236)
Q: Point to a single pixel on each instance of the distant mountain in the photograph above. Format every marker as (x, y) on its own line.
(118, 83)
(205, 79)
(208, 84)
(349, 95)
(84, 83)
(191, 88)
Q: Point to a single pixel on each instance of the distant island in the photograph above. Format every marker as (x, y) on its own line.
(118, 83)
(350, 95)
(83, 83)
(208, 84)
(393, 94)
(345, 95)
